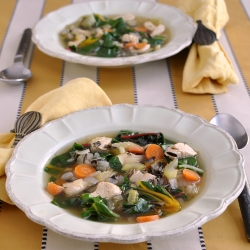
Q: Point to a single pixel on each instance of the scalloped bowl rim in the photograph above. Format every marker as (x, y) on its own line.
(25, 170)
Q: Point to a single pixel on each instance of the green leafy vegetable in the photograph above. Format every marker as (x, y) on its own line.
(61, 160)
(141, 139)
(64, 202)
(153, 41)
(115, 164)
(142, 206)
(188, 161)
(89, 48)
(125, 185)
(95, 208)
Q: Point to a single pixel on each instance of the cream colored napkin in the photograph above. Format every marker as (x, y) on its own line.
(75, 95)
(207, 69)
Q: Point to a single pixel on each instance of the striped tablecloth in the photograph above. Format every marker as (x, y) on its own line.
(157, 83)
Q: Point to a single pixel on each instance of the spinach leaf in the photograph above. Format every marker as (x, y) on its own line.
(115, 164)
(153, 41)
(61, 160)
(189, 161)
(142, 206)
(140, 138)
(77, 146)
(89, 48)
(157, 188)
(107, 51)
(125, 185)
(64, 202)
(106, 156)
(95, 208)
(52, 170)
(99, 21)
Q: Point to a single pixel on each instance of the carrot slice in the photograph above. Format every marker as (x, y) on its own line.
(140, 28)
(54, 189)
(154, 150)
(190, 175)
(83, 170)
(147, 218)
(136, 149)
(140, 45)
(128, 45)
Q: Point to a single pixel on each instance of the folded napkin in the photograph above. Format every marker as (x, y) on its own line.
(75, 95)
(207, 69)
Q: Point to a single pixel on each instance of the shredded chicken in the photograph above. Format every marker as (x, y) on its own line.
(106, 190)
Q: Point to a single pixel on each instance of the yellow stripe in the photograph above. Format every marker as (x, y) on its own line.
(5, 15)
(113, 246)
(118, 84)
(238, 32)
(46, 70)
(19, 232)
(227, 229)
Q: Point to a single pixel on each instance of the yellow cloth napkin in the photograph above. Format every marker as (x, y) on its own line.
(75, 95)
(207, 69)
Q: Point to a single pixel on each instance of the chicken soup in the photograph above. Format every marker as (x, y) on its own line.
(132, 177)
(119, 36)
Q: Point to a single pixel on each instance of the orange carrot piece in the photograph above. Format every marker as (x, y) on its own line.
(190, 175)
(54, 189)
(128, 45)
(154, 150)
(136, 149)
(140, 45)
(83, 170)
(140, 28)
(147, 218)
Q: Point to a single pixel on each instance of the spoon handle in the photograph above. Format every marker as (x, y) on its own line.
(244, 203)
(24, 44)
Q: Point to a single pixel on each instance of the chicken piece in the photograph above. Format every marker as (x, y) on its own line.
(180, 150)
(106, 190)
(99, 144)
(74, 188)
(149, 26)
(98, 33)
(139, 176)
(129, 157)
(158, 30)
(131, 37)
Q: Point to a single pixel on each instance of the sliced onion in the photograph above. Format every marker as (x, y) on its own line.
(82, 152)
(112, 180)
(67, 176)
(90, 180)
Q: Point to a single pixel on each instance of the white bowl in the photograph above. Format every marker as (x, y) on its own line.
(219, 157)
(46, 31)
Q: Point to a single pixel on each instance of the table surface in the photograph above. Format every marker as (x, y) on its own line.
(157, 83)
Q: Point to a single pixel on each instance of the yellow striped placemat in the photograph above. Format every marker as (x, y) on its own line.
(224, 232)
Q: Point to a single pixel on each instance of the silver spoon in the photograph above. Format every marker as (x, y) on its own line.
(231, 125)
(18, 73)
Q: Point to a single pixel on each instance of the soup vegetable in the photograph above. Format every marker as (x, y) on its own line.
(125, 35)
(132, 177)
